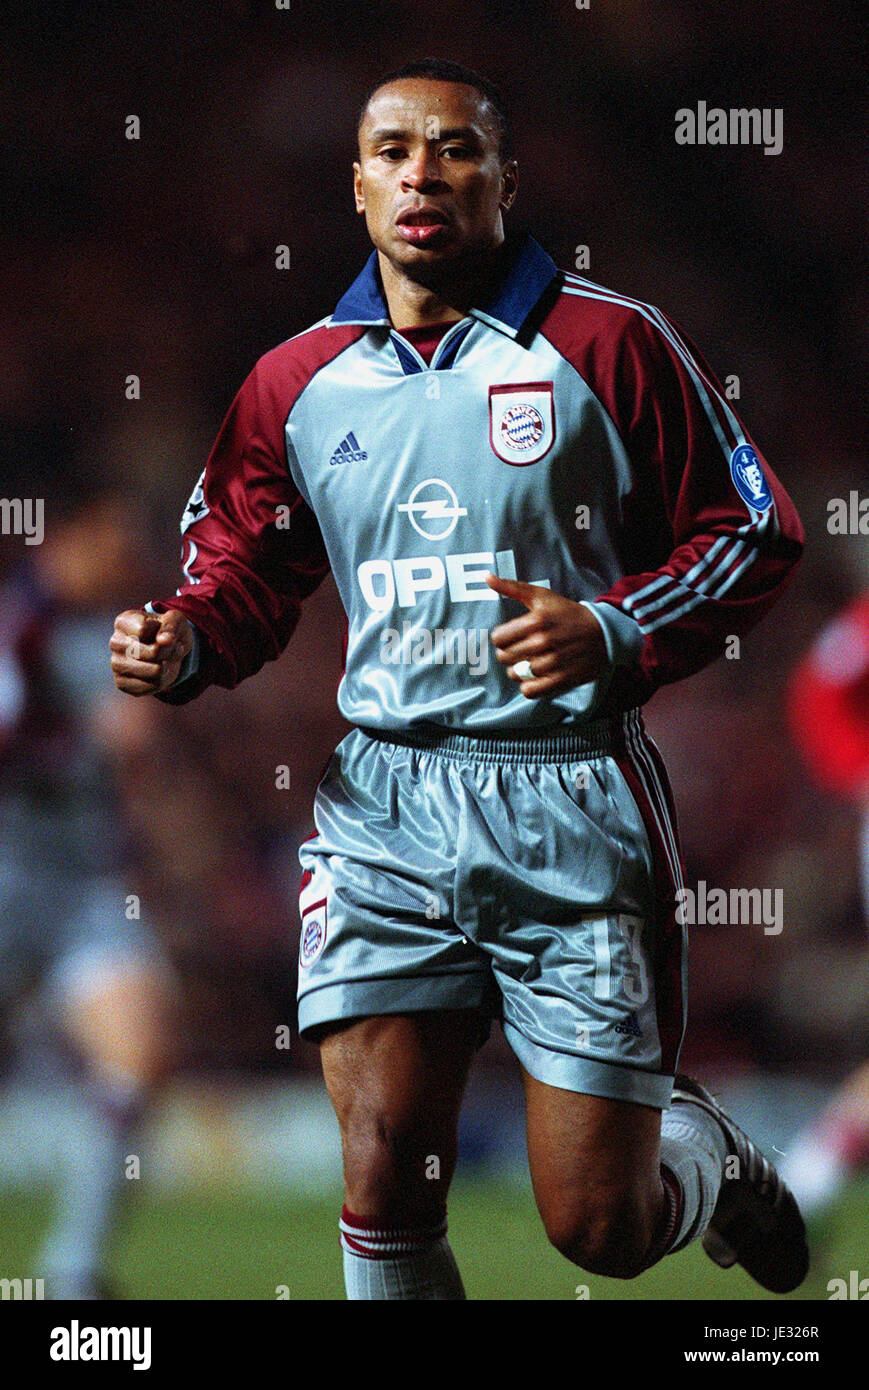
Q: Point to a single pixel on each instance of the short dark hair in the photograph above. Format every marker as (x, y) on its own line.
(441, 70)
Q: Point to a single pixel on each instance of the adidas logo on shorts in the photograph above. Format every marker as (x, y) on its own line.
(630, 1027)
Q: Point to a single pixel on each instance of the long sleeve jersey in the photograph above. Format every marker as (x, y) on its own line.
(565, 434)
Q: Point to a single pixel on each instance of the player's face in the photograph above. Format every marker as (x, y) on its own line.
(428, 178)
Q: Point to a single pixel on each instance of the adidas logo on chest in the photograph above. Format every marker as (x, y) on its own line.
(348, 451)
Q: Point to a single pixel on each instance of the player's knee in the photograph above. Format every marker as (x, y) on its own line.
(606, 1233)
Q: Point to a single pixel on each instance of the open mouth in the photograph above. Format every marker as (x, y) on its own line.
(420, 225)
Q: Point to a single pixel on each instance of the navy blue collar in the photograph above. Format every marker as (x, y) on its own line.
(529, 273)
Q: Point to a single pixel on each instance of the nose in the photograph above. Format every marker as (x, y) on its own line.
(422, 170)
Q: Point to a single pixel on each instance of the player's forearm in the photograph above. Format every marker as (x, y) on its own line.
(671, 622)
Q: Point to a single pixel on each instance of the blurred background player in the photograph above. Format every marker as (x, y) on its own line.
(85, 990)
(829, 717)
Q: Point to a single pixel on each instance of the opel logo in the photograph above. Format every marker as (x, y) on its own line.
(434, 502)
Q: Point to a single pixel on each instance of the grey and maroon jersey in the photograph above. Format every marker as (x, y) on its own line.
(563, 434)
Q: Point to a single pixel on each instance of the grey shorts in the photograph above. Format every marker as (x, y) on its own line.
(529, 879)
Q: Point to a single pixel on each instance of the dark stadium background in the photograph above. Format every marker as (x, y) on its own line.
(157, 257)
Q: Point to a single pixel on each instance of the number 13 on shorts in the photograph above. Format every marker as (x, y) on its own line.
(621, 985)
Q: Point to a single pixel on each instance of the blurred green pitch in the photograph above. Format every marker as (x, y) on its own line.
(244, 1245)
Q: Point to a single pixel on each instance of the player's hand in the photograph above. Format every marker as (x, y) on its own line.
(563, 641)
(148, 649)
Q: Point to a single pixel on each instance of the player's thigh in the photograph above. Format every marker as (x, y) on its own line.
(396, 1083)
(594, 1165)
(120, 1014)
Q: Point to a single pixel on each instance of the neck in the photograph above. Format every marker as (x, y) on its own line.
(446, 295)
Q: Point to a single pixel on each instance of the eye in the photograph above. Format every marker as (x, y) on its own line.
(456, 151)
(392, 153)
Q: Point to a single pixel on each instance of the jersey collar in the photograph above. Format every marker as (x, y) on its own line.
(530, 271)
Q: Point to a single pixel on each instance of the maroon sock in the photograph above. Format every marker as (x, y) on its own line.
(670, 1219)
(376, 1239)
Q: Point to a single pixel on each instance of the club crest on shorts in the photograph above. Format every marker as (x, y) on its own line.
(521, 421)
(313, 937)
(748, 478)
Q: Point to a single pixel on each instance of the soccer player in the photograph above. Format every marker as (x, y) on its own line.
(84, 983)
(498, 459)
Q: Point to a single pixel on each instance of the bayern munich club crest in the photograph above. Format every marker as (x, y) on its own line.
(521, 421)
(313, 937)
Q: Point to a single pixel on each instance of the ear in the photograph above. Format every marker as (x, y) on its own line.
(509, 184)
(357, 187)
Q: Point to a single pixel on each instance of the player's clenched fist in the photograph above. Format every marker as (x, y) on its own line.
(148, 649)
(560, 643)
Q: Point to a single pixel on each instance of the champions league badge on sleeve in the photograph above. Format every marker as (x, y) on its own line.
(521, 421)
(748, 478)
(196, 506)
(313, 937)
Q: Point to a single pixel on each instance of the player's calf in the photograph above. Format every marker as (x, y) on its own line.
(396, 1168)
